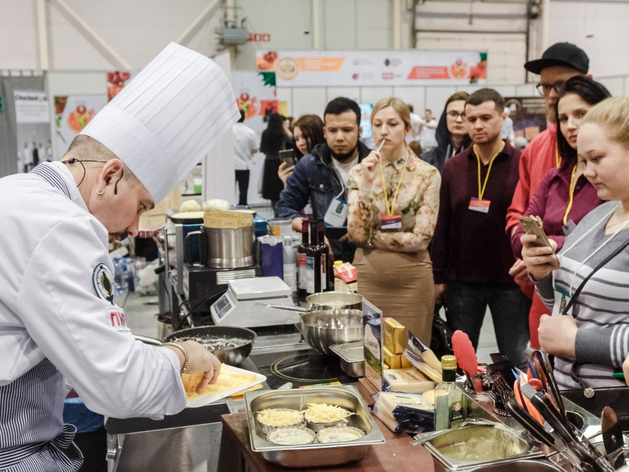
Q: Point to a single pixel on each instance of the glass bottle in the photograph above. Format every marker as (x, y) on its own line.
(450, 404)
(313, 261)
(325, 250)
(302, 279)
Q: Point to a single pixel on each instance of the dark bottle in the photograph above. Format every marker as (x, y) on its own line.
(325, 250)
(302, 278)
(313, 261)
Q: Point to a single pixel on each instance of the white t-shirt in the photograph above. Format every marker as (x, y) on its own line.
(343, 169)
(413, 134)
(428, 137)
(245, 141)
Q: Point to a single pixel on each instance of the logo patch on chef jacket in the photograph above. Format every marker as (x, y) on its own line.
(116, 319)
(103, 283)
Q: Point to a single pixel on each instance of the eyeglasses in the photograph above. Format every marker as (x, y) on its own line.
(455, 114)
(544, 89)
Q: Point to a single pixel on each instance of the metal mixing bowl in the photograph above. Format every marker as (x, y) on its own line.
(324, 328)
(211, 336)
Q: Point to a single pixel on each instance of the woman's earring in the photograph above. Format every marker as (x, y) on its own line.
(100, 192)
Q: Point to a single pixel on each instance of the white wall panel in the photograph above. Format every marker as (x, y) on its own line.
(308, 100)
(615, 85)
(599, 28)
(349, 92)
(373, 94)
(18, 35)
(286, 95)
(412, 95)
(436, 98)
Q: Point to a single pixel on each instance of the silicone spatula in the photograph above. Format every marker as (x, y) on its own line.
(466, 358)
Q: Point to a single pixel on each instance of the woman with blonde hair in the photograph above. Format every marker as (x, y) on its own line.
(588, 332)
(393, 208)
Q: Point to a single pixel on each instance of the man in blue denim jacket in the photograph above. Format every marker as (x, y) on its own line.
(322, 175)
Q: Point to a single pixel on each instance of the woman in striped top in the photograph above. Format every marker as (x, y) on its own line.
(592, 341)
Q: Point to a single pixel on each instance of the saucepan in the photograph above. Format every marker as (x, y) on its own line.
(231, 345)
(325, 328)
(325, 301)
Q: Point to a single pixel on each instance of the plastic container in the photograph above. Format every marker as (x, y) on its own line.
(290, 267)
(345, 277)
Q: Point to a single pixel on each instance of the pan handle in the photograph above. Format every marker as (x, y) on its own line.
(298, 309)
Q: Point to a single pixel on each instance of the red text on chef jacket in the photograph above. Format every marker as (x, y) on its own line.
(116, 318)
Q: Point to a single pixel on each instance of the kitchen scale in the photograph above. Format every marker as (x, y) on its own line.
(243, 304)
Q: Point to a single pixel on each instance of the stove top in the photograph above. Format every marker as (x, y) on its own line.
(301, 367)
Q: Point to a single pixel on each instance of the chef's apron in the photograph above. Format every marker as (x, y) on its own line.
(33, 437)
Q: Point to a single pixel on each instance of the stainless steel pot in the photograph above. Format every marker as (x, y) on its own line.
(224, 248)
(324, 328)
(212, 337)
(325, 301)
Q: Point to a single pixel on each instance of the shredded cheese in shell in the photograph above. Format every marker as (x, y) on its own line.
(273, 417)
(325, 413)
(226, 381)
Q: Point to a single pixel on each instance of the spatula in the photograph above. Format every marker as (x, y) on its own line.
(466, 358)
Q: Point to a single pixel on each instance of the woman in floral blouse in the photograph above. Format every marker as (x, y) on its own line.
(393, 208)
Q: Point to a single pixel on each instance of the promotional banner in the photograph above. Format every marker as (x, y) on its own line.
(32, 118)
(528, 115)
(116, 80)
(72, 114)
(256, 96)
(374, 68)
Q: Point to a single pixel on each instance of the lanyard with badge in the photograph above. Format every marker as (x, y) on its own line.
(391, 221)
(478, 204)
(336, 215)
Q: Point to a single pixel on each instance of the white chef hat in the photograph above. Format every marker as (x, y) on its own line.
(167, 118)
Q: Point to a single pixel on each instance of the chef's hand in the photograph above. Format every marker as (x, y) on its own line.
(518, 270)
(199, 360)
(440, 294)
(625, 369)
(284, 172)
(557, 335)
(540, 261)
(370, 168)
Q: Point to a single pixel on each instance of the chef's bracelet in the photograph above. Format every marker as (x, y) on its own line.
(184, 367)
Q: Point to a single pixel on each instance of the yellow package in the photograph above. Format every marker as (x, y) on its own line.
(394, 336)
(394, 361)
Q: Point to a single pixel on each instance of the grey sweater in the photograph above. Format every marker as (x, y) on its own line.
(602, 309)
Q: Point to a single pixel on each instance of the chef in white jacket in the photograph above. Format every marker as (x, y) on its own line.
(58, 316)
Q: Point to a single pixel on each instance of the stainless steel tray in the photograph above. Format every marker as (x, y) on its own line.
(312, 455)
(504, 436)
(352, 356)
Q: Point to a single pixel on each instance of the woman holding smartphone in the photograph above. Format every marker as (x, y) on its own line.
(307, 133)
(393, 208)
(590, 341)
(564, 196)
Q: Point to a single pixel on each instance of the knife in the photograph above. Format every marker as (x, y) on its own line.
(612, 436)
(547, 372)
(560, 425)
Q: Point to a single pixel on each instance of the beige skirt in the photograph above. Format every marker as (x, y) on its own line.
(400, 284)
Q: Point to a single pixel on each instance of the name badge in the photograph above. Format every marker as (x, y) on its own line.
(336, 216)
(391, 223)
(481, 206)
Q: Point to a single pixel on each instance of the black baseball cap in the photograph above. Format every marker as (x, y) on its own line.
(561, 54)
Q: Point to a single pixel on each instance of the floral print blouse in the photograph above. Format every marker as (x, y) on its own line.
(417, 202)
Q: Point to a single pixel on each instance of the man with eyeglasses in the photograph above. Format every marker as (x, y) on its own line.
(451, 134)
(559, 62)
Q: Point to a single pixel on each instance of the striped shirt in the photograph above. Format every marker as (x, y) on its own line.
(602, 309)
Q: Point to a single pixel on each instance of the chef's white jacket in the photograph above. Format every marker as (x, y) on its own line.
(53, 302)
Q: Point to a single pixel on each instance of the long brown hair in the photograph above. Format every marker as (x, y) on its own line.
(311, 126)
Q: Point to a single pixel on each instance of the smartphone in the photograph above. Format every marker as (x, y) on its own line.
(533, 225)
(287, 156)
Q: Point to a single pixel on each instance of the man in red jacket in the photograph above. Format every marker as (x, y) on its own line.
(559, 62)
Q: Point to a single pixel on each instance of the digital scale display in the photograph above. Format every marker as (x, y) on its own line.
(222, 306)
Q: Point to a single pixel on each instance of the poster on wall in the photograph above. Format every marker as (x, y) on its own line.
(256, 96)
(374, 68)
(528, 115)
(72, 114)
(116, 81)
(32, 118)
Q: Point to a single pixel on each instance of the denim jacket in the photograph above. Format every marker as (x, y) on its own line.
(314, 178)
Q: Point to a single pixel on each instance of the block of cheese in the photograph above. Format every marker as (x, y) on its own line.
(394, 336)
(406, 364)
(394, 361)
(405, 380)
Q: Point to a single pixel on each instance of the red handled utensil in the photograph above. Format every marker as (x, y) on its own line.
(466, 358)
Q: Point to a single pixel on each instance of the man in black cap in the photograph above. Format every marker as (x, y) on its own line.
(560, 62)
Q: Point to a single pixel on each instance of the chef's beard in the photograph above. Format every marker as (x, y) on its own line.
(345, 157)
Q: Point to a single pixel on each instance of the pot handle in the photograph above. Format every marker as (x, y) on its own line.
(298, 309)
(187, 253)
